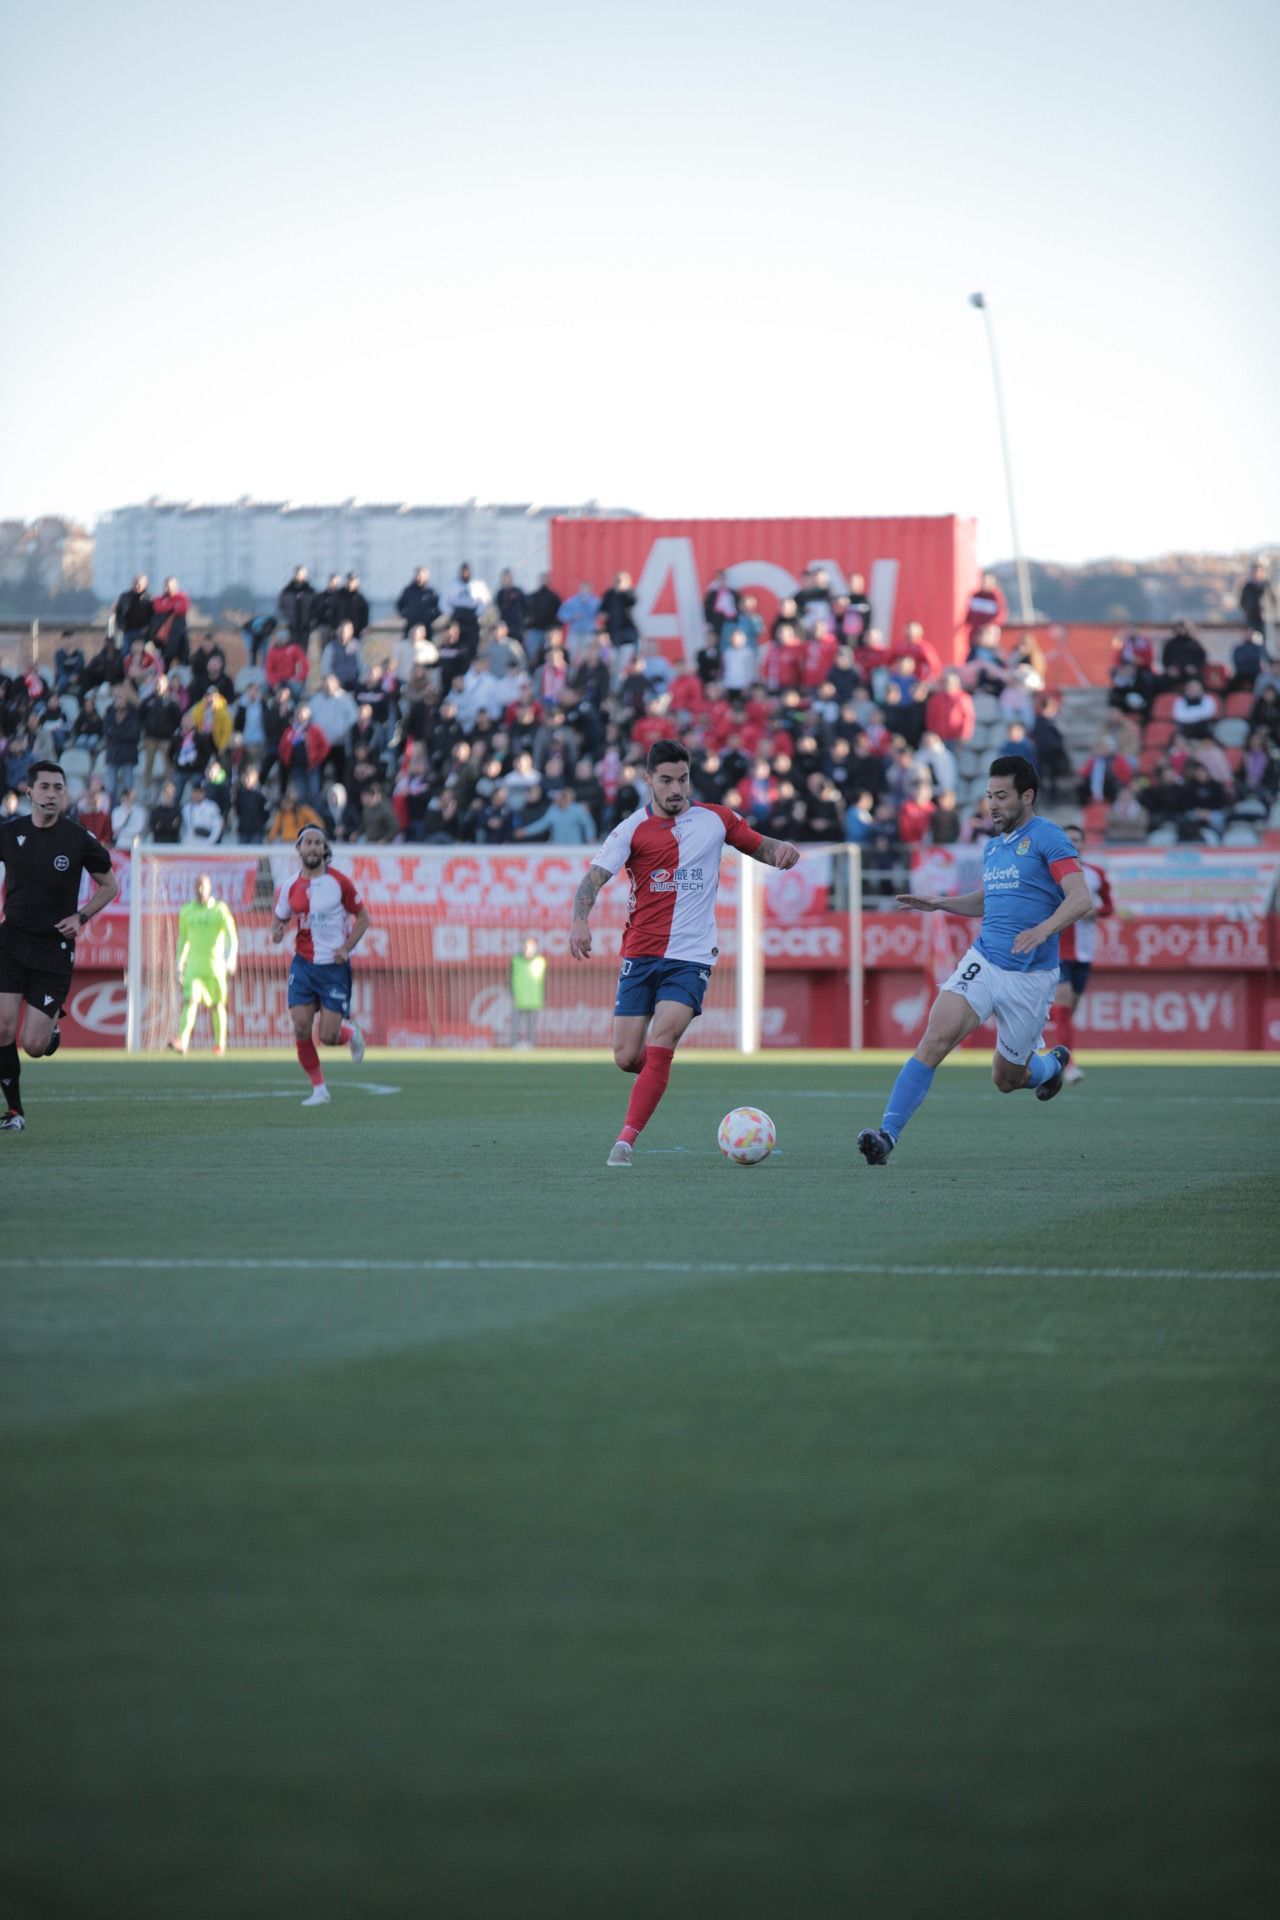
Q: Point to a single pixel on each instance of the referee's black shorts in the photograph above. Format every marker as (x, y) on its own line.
(38, 966)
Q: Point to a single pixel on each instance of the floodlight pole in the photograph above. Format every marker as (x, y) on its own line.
(979, 300)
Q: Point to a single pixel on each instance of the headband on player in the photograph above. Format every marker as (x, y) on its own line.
(298, 838)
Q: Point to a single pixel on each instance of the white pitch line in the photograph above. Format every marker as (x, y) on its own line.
(899, 1270)
(1090, 1098)
(192, 1098)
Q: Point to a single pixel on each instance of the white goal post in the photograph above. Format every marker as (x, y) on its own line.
(435, 969)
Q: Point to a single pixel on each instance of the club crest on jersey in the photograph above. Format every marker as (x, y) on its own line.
(22, 839)
(1024, 845)
(60, 861)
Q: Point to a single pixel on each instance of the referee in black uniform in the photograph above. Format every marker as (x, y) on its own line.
(43, 857)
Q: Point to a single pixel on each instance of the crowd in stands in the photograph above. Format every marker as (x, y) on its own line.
(1195, 749)
(506, 715)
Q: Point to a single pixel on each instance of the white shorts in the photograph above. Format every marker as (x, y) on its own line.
(1019, 1001)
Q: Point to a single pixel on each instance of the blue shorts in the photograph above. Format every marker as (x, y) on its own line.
(642, 982)
(330, 985)
(1075, 974)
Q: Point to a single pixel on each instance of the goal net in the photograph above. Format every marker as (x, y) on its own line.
(442, 964)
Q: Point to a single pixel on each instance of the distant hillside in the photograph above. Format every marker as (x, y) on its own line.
(1188, 586)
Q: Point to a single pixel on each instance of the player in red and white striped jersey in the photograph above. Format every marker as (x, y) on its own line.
(1076, 947)
(671, 850)
(332, 920)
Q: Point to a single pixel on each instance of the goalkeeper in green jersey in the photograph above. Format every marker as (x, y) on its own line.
(208, 945)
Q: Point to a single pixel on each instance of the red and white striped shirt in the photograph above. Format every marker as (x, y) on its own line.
(325, 905)
(1079, 941)
(673, 864)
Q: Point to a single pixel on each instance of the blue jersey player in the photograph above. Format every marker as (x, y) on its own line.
(1032, 887)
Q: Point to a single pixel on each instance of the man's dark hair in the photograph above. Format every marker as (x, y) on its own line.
(45, 766)
(664, 751)
(1020, 771)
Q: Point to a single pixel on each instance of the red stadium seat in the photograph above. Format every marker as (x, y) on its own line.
(1150, 760)
(1214, 677)
(1158, 733)
(1239, 706)
(1095, 819)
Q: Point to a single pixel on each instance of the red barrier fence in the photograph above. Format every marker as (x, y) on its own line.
(1191, 960)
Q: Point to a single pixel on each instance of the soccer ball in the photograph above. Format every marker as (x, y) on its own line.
(746, 1136)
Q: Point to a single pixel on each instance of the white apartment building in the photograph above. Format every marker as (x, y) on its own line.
(258, 543)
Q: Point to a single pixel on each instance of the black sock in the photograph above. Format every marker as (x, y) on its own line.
(10, 1074)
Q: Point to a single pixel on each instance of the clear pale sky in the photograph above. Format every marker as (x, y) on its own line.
(689, 259)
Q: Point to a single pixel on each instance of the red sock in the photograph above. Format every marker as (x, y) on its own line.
(345, 1033)
(309, 1060)
(648, 1090)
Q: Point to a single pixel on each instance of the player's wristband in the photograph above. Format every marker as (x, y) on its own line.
(83, 918)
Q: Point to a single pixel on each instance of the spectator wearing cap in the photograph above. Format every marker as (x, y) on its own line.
(201, 817)
(128, 818)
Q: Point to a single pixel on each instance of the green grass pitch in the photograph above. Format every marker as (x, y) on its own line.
(403, 1514)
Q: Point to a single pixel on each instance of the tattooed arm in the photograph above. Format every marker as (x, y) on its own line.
(776, 853)
(583, 901)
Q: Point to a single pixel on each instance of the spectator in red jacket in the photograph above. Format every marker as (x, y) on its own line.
(915, 816)
(286, 662)
(987, 607)
(949, 710)
(169, 612)
(914, 646)
(303, 751)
